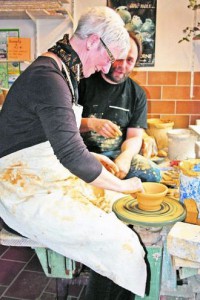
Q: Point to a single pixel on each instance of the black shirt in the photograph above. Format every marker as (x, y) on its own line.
(124, 104)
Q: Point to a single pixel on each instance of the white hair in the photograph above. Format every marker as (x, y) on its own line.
(107, 24)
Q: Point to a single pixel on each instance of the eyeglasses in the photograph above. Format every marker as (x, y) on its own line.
(111, 56)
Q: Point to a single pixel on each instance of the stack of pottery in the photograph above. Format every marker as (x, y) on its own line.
(158, 129)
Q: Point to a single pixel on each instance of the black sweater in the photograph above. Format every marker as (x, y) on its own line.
(38, 108)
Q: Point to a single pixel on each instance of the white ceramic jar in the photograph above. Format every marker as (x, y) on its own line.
(181, 144)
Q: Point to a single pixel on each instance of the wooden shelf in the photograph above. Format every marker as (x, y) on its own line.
(33, 9)
(19, 61)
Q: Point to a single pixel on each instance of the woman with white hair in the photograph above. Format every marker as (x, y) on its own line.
(43, 159)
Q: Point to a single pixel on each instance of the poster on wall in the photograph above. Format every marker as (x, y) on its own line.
(139, 17)
(4, 35)
(9, 70)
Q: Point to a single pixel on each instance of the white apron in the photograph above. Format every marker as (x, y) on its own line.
(42, 200)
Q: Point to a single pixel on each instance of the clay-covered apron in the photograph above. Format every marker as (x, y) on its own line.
(35, 201)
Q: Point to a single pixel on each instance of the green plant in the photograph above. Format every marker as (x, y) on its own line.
(192, 33)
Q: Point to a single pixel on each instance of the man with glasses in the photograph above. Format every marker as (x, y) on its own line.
(111, 56)
(114, 116)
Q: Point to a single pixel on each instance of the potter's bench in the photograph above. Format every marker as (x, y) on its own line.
(163, 278)
(67, 271)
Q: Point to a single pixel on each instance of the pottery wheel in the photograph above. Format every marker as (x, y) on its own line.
(170, 211)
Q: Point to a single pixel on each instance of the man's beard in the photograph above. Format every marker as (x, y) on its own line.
(110, 76)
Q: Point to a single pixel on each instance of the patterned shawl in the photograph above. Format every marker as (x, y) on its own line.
(69, 57)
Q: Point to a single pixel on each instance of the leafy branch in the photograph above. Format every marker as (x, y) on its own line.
(192, 33)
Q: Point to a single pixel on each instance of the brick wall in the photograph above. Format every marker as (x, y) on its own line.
(168, 95)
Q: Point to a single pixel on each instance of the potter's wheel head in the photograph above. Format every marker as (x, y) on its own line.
(170, 211)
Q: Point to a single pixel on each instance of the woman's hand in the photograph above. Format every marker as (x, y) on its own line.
(135, 186)
(104, 127)
(107, 163)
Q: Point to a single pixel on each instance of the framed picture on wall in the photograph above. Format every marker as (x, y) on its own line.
(139, 16)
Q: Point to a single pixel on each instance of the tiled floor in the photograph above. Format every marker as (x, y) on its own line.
(22, 277)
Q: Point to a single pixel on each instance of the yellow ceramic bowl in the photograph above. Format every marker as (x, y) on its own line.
(153, 196)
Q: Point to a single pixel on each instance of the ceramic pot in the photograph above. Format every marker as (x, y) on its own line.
(153, 196)
(158, 129)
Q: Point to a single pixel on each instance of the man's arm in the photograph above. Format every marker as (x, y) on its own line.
(130, 147)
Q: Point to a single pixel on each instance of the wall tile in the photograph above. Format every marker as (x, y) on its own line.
(197, 78)
(152, 92)
(161, 107)
(174, 87)
(187, 107)
(139, 77)
(193, 119)
(196, 93)
(162, 78)
(176, 92)
(180, 121)
(183, 78)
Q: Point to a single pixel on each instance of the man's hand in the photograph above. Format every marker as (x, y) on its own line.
(123, 162)
(107, 163)
(129, 148)
(104, 127)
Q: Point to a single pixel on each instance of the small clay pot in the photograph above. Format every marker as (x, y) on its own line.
(153, 196)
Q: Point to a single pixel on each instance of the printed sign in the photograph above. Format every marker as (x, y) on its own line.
(19, 49)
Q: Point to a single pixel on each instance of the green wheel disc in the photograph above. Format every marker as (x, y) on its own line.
(127, 210)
